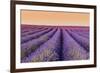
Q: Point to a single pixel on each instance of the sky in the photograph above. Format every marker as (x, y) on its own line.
(31, 17)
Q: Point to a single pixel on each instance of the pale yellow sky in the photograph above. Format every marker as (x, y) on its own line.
(54, 18)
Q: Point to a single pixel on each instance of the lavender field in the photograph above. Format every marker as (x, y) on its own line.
(54, 43)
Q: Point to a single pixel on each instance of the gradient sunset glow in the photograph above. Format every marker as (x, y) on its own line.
(53, 18)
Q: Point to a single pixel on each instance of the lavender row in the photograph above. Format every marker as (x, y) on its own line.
(30, 46)
(47, 51)
(71, 49)
(32, 31)
(84, 34)
(84, 42)
(34, 36)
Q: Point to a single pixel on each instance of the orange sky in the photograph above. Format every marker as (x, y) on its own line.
(54, 18)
